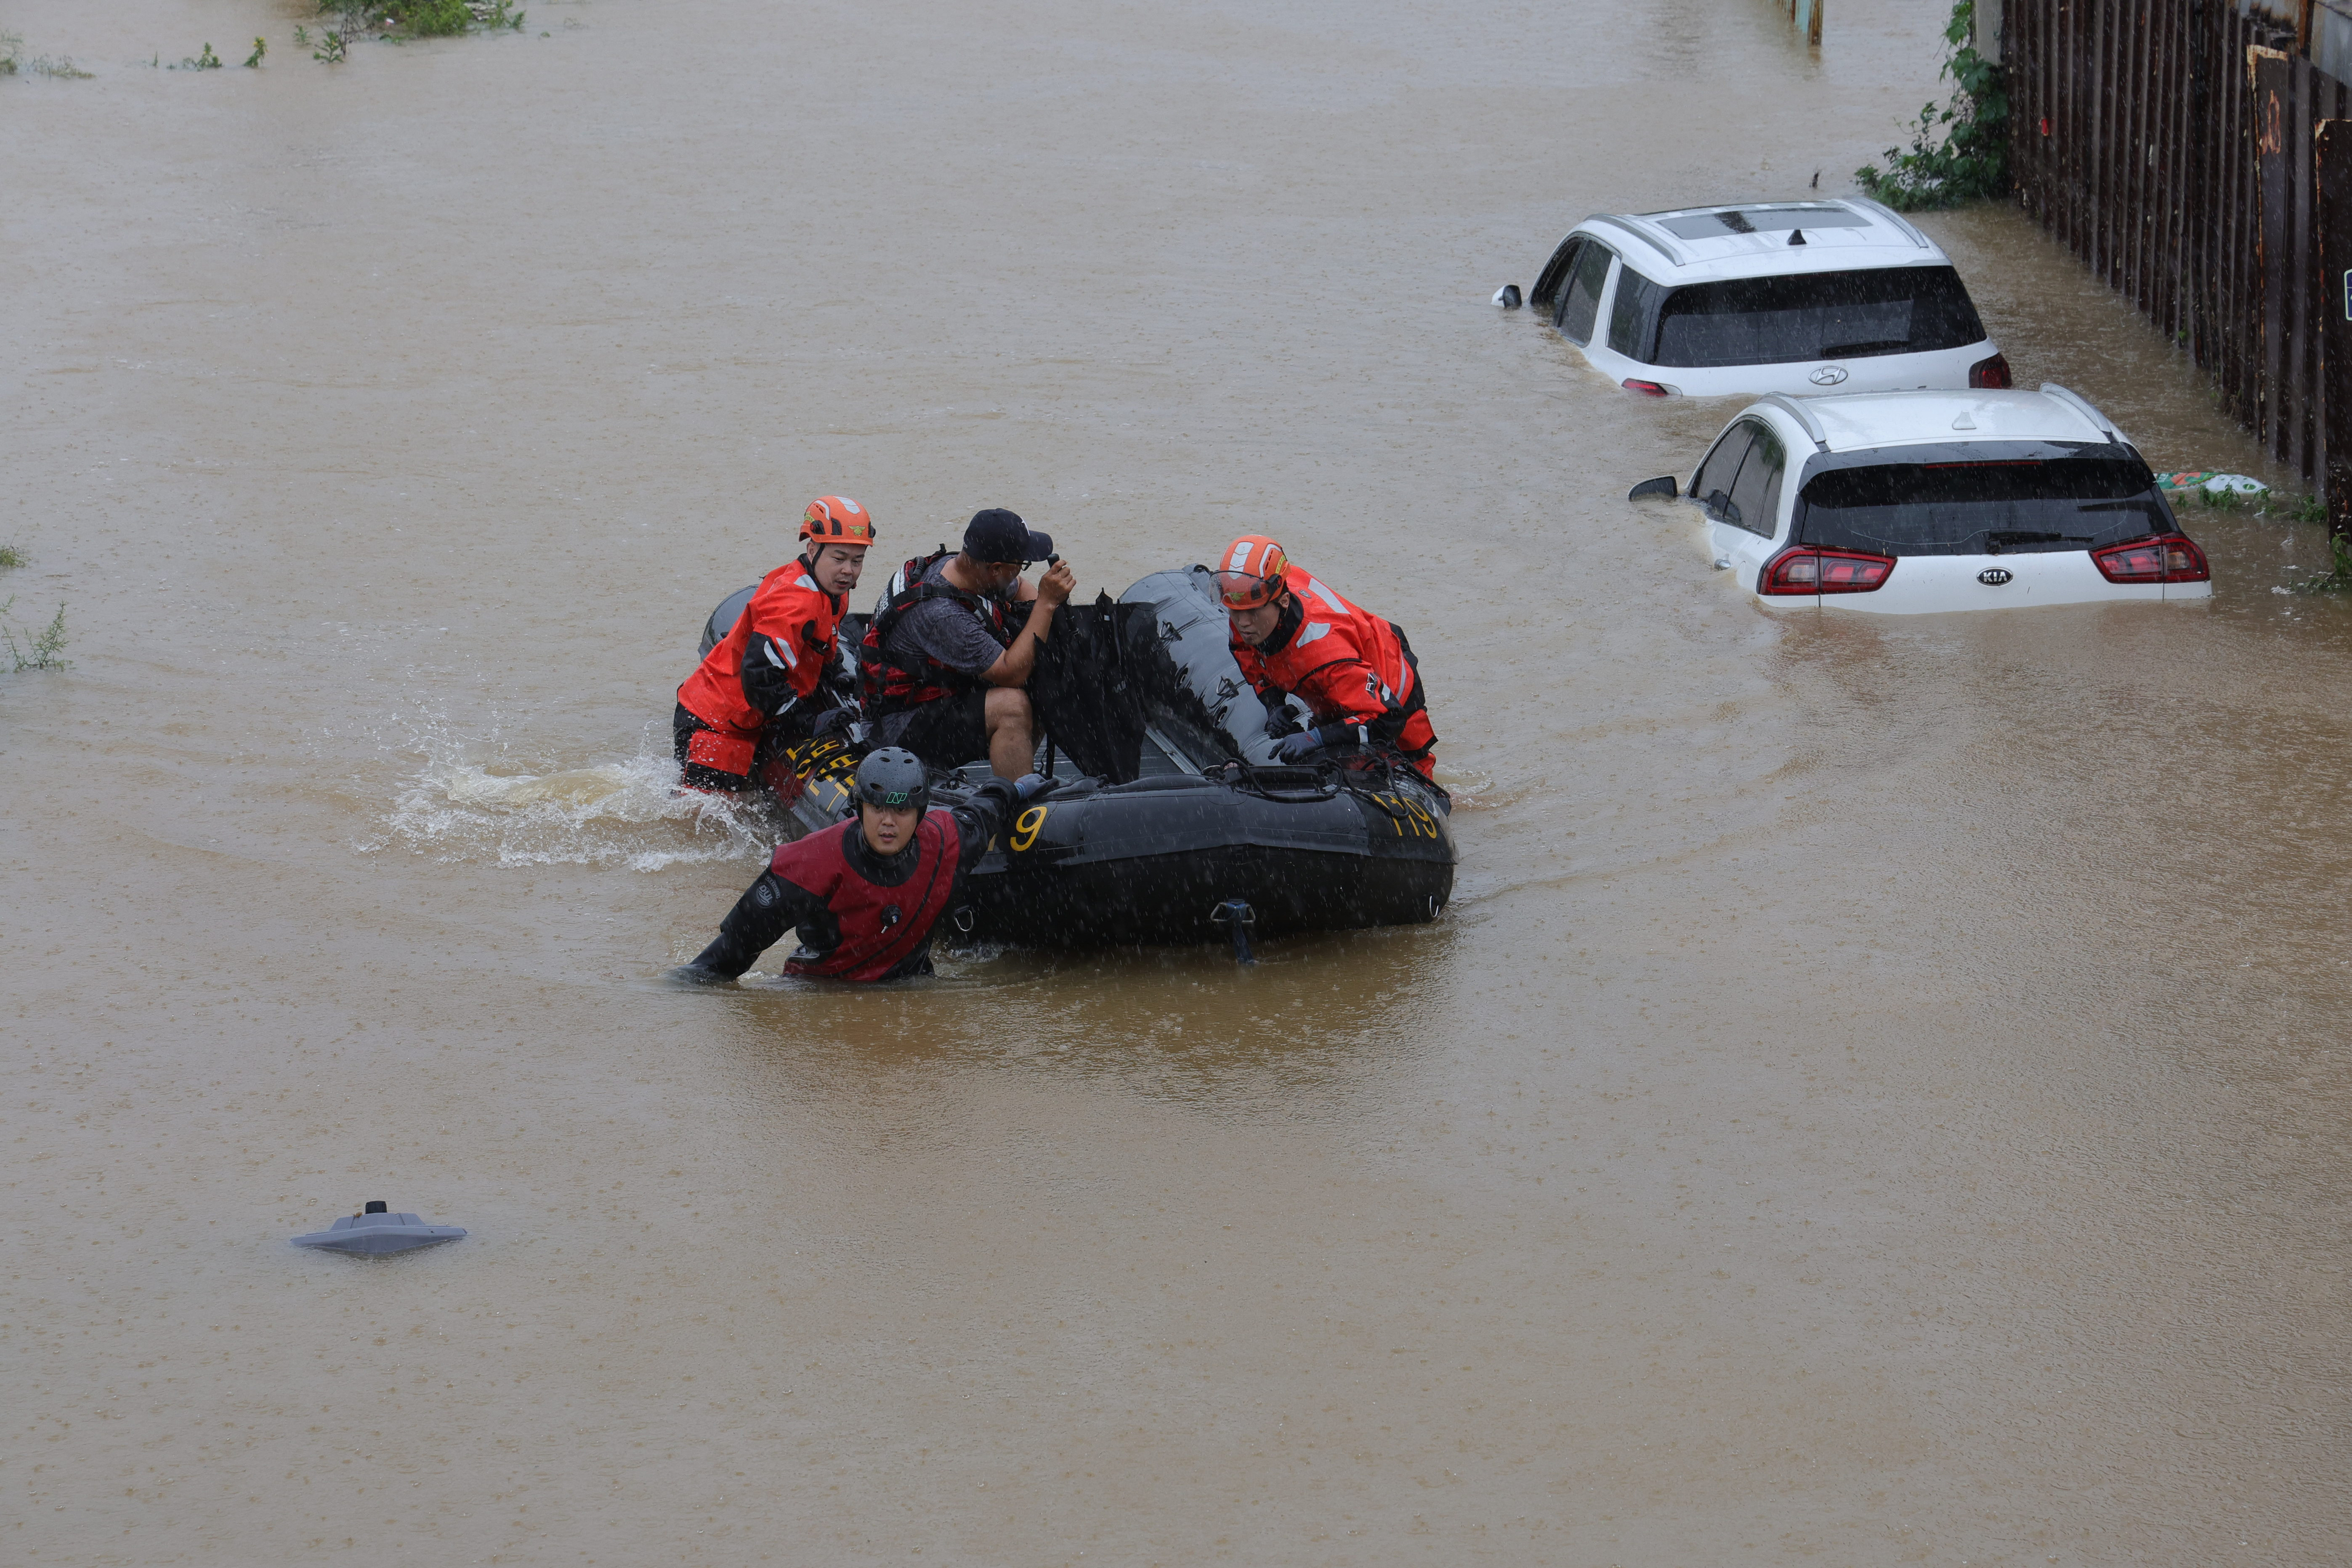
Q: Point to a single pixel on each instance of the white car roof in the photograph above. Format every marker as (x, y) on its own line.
(1858, 421)
(1751, 239)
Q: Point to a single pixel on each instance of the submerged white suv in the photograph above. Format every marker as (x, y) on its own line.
(1913, 502)
(1771, 296)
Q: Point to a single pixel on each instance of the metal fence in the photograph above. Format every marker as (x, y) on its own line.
(2172, 145)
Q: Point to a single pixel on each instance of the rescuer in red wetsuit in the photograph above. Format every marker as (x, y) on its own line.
(866, 894)
(774, 678)
(1294, 637)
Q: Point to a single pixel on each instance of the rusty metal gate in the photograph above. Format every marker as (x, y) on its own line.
(2174, 146)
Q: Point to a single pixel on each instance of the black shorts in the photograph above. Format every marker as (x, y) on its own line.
(949, 732)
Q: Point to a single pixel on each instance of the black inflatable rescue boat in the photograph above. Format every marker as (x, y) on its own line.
(1171, 820)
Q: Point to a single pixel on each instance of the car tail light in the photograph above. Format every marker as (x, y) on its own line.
(1649, 389)
(1825, 571)
(2161, 558)
(1992, 372)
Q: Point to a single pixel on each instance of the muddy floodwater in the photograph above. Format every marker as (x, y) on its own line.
(1879, 1094)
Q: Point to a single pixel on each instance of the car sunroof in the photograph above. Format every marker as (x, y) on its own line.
(1760, 220)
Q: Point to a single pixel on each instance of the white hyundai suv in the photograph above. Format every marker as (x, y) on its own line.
(1911, 502)
(1769, 297)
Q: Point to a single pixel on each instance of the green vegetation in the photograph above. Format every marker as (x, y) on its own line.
(2279, 505)
(329, 49)
(40, 649)
(423, 19)
(2269, 504)
(1960, 153)
(260, 47)
(12, 61)
(2338, 578)
(436, 18)
(207, 61)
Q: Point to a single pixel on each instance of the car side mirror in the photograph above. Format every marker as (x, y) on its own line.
(1664, 485)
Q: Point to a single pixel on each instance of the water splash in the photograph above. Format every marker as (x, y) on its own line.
(1475, 791)
(630, 813)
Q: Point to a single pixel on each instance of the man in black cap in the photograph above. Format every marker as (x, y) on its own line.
(955, 641)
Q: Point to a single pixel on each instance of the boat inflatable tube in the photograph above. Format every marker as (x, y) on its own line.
(1169, 806)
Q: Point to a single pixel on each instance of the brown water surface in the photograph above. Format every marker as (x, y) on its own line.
(1879, 1096)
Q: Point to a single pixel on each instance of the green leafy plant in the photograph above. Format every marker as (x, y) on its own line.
(436, 18)
(260, 47)
(11, 557)
(329, 49)
(206, 61)
(2310, 509)
(302, 38)
(2338, 578)
(40, 649)
(1960, 153)
(61, 68)
(2220, 501)
(10, 46)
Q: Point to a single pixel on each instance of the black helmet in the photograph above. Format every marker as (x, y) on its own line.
(894, 777)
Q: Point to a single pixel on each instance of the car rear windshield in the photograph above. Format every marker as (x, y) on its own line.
(2013, 506)
(1817, 315)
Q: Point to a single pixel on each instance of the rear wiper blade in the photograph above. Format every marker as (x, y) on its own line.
(1839, 350)
(1998, 540)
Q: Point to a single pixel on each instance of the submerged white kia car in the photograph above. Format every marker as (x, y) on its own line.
(1913, 502)
(1789, 296)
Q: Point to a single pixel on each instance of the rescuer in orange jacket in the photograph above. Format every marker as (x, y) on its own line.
(1294, 637)
(775, 677)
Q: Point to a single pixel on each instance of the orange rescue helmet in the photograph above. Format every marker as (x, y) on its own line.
(836, 520)
(1251, 573)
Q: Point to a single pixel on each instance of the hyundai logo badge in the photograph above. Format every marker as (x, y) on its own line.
(1992, 577)
(1827, 376)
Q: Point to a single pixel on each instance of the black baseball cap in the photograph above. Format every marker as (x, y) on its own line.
(996, 536)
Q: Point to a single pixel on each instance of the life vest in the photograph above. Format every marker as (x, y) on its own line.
(1350, 666)
(887, 688)
(795, 620)
(881, 927)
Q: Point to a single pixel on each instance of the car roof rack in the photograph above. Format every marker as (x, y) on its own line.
(1892, 218)
(1664, 247)
(1805, 417)
(2082, 405)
